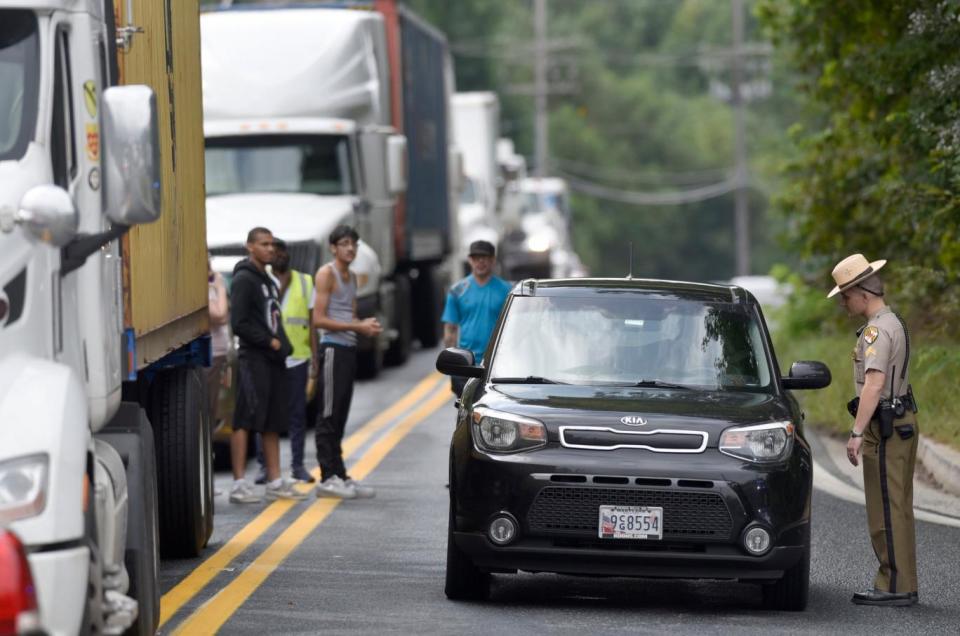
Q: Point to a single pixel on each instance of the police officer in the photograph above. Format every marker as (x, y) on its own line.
(885, 430)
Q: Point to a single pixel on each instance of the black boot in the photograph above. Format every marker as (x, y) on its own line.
(879, 597)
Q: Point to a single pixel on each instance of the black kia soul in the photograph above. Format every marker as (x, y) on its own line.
(631, 428)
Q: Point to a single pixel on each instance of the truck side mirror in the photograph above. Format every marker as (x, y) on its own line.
(47, 213)
(131, 155)
(397, 164)
(807, 375)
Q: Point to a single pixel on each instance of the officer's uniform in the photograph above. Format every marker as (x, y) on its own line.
(888, 464)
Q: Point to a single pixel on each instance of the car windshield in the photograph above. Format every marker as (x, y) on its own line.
(315, 164)
(19, 76)
(633, 340)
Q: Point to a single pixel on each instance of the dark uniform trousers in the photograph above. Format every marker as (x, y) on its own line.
(888, 483)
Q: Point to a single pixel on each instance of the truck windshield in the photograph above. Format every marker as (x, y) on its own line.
(19, 76)
(627, 339)
(314, 164)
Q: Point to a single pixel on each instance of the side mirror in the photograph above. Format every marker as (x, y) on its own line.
(807, 375)
(397, 164)
(47, 213)
(131, 155)
(454, 361)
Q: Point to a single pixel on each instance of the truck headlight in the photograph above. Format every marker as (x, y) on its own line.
(761, 443)
(367, 268)
(538, 243)
(501, 432)
(23, 487)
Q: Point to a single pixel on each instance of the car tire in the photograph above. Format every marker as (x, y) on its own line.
(464, 580)
(791, 592)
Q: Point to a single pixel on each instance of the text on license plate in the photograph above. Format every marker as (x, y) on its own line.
(631, 522)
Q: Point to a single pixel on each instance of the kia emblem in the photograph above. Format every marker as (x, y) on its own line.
(633, 420)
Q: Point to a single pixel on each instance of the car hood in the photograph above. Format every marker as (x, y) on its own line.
(292, 217)
(562, 405)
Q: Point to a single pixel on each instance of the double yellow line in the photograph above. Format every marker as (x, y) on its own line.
(430, 394)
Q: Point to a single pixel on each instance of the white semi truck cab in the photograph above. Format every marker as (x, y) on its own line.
(296, 121)
(81, 164)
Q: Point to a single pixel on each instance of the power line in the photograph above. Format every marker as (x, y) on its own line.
(669, 197)
(655, 177)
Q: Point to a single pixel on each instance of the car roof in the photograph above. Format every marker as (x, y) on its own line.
(647, 286)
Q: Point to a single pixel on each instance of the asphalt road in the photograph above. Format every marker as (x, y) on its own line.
(377, 566)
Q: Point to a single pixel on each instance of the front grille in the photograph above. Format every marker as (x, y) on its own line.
(686, 514)
(658, 441)
(305, 256)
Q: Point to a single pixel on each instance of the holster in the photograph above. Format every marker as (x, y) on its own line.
(887, 414)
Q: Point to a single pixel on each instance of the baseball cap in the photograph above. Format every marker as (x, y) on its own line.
(482, 248)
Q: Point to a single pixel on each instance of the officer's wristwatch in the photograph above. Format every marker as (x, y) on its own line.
(855, 434)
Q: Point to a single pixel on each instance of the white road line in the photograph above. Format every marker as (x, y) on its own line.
(826, 481)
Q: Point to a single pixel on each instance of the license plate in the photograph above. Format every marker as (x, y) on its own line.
(631, 522)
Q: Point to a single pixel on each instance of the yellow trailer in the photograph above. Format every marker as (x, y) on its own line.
(165, 270)
(165, 263)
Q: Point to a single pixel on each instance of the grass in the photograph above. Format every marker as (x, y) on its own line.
(934, 374)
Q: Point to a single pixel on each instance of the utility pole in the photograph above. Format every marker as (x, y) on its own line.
(541, 141)
(741, 209)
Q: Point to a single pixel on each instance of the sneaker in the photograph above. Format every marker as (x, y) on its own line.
(283, 490)
(301, 474)
(261, 477)
(363, 492)
(242, 492)
(335, 487)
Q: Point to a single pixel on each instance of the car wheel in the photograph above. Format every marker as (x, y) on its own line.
(465, 581)
(791, 592)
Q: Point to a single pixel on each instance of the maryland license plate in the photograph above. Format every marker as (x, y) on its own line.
(631, 522)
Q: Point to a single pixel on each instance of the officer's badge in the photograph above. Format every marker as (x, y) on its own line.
(870, 334)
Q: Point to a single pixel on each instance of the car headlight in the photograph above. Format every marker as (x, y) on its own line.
(23, 487)
(761, 443)
(501, 432)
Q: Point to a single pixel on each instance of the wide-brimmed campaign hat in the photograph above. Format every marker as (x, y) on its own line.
(852, 271)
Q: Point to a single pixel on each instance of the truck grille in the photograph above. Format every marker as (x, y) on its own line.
(686, 515)
(305, 256)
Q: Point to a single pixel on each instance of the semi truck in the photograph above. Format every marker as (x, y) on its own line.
(476, 118)
(316, 116)
(104, 437)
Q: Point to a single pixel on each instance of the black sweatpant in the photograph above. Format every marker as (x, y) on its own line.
(338, 366)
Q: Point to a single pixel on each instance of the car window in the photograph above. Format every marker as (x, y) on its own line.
(625, 338)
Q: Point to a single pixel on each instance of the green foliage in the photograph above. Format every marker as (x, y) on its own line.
(933, 373)
(878, 169)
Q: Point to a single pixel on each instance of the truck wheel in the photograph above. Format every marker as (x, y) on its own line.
(182, 432)
(399, 349)
(370, 362)
(143, 554)
(790, 593)
(427, 308)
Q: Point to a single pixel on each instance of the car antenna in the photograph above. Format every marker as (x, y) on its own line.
(630, 264)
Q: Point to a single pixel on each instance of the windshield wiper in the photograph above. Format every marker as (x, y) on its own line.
(530, 379)
(660, 384)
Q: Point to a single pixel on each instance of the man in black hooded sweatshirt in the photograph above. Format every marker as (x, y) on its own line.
(261, 405)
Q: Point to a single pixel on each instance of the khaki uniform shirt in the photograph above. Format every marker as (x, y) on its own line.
(882, 345)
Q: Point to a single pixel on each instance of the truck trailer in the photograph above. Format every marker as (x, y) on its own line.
(313, 117)
(103, 303)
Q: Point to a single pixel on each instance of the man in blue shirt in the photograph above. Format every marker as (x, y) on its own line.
(473, 306)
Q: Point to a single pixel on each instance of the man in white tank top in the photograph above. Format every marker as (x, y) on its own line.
(335, 314)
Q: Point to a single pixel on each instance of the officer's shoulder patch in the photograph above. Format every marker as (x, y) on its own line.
(870, 334)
